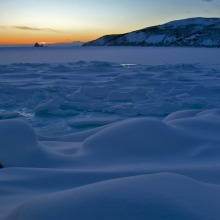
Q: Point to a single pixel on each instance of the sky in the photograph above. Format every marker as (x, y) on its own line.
(52, 21)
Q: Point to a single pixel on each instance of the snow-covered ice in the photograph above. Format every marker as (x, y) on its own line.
(109, 133)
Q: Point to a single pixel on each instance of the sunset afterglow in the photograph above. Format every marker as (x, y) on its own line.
(30, 21)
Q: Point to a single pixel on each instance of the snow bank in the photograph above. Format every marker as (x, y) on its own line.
(133, 169)
(157, 196)
(19, 144)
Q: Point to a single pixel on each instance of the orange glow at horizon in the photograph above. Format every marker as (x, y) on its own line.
(10, 35)
(18, 41)
(13, 36)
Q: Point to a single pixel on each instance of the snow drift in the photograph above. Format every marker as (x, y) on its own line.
(130, 169)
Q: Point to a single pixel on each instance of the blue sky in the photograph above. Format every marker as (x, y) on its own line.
(69, 20)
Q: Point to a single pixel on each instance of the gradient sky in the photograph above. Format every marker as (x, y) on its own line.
(30, 21)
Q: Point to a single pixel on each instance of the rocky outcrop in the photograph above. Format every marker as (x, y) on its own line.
(38, 45)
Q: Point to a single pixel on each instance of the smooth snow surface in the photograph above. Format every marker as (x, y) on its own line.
(110, 139)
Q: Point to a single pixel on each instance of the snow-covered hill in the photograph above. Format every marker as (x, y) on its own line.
(197, 32)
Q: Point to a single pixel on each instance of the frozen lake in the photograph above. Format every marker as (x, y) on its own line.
(137, 55)
(63, 90)
(109, 133)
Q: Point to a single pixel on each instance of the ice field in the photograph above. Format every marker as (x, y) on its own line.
(109, 133)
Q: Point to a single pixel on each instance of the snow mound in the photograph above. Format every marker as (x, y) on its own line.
(183, 135)
(156, 197)
(141, 140)
(132, 169)
(19, 143)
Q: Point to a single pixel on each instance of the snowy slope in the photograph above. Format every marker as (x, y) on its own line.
(195, 32)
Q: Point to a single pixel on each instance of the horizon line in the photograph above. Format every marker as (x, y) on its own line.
(42, 43)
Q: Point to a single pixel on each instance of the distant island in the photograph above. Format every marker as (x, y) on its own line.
(38, 45)
(61, 44)
(191, 32)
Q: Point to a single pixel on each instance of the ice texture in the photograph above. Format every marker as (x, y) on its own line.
(56, 97)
